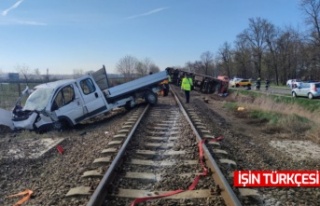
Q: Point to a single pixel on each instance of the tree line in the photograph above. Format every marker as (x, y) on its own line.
(131, 67)
(267, 51)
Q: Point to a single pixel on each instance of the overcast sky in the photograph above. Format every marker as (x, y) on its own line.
(64, 35)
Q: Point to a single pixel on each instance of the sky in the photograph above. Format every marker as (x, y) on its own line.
(67, 35)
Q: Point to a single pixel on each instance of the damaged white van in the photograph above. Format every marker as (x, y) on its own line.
(66, 103)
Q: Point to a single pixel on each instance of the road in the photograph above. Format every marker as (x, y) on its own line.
(272, 90)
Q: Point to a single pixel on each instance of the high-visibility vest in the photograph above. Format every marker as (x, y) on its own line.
(186, 84)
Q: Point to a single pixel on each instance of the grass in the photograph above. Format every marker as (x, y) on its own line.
(230, 105)
(277, 114)
(272, 117)
(305, 103)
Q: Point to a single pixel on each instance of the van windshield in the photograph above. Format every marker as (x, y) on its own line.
(38, 99)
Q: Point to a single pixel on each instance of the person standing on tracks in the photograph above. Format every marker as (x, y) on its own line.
(165, 87)
(186, 86)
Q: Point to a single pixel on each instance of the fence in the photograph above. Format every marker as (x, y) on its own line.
(10, 91)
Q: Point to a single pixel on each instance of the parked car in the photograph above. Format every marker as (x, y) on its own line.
(289, 82)
(292, 83)
(244, 83)
(234, 81)
(310, 90)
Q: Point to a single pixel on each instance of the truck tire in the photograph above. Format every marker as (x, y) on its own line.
(128, 106)
(151, 97)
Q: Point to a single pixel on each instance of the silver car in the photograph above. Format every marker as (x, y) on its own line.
(310, 90)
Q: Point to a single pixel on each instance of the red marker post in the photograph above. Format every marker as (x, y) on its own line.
(60, 149)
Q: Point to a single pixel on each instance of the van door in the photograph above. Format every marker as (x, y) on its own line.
(93, 98)
(67, 102)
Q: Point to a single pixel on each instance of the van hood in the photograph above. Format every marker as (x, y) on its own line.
(6, 118)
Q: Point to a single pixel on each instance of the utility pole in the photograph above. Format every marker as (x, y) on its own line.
(47, 75)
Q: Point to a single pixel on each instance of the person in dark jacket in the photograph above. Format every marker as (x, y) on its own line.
(267, 84)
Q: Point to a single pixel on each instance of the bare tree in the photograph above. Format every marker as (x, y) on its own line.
(190, 67)
(256, 37)
(126, 66)
(145, 66)
(226, 58)
(77, 73)
(242, 59)
(153, 68)
(140, 69)
(196, 67)
(273, 51)
(207, 60)
(37, 73)
(23, 70)
(311, 9)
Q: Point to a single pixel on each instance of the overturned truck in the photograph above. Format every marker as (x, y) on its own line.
(65, 103)
(203, 83)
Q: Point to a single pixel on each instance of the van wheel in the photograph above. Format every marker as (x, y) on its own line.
(310, 96)
(151, 98)
(294, 94)
(61, 125)
(4, 129)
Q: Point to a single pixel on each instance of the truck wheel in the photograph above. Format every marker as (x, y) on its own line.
(128, 106)
(151, 98)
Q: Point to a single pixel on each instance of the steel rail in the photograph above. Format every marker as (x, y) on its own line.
(227, 193)
(100, 193)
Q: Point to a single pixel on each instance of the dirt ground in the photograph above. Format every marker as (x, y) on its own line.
(52, 175)
(254, 145)
(248, 142)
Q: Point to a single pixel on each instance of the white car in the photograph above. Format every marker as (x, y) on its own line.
(310, 90)
(293, 82)
(234, 81)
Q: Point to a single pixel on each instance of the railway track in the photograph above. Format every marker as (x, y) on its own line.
(162, 155)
